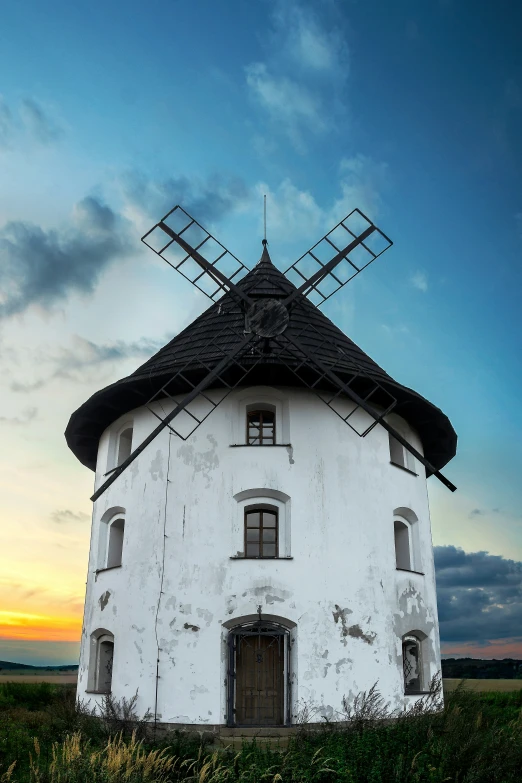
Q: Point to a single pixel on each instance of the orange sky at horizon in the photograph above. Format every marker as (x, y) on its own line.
(41, 628)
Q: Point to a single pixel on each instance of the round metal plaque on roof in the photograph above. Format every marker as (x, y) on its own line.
(268, 318)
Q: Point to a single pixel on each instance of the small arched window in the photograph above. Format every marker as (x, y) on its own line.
(399, 455)
(403, 558)
(102, 656)
(412, 664)
(115, 543)
(124, 446)
(111, 537)
(261, 531)
(261, 427)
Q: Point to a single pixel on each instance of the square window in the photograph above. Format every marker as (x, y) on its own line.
(261, 428)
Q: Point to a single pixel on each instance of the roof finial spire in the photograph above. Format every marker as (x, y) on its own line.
(265, 243)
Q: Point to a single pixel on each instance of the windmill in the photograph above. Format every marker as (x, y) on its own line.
(274, 327)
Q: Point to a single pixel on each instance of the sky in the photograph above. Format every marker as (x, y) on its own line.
(111, 113)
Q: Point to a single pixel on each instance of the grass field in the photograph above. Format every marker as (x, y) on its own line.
(46, 738)
(61, 678)
(69, 678)
(484, 686)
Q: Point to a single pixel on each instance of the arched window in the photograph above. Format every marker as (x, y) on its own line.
(402, 545)
(269, 501)
(261, 426)
(261, 531)
(115, 542)
(124, 445)
(412, 664)
(399, 455)
(111, 537)
(101, 661)
(406, 532)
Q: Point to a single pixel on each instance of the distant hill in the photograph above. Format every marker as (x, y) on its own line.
(480, 669)
(11, 666)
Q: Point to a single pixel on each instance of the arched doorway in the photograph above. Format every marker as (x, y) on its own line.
(258, 674)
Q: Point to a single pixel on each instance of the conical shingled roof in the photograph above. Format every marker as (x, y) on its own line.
(206, 341)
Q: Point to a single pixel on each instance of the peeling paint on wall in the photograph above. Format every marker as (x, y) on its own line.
(341, 662)
(104, 599)
(156, 466)
(190, 627)
(341, 615)
(356, 632)
(205, 615)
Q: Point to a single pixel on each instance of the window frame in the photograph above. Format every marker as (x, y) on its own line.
(408, 533)
(260, 509)
(408, 460)
(411, 638)
(121, 459)
(250, 411)
(111, 528)
(104, 534)
(98, 638)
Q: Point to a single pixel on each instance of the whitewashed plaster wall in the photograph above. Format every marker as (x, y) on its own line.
(178, 583)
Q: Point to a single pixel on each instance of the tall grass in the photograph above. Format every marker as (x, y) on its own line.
(476, 738)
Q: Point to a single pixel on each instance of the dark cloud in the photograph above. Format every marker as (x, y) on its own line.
(479, 596)
(207, 200)
(27, 416)
(66, 515)
(71, 363)
(43, 267)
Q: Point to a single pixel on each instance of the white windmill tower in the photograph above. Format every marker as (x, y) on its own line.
(268, 555)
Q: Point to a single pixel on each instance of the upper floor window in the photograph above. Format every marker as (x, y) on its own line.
(402, 545)
(115, 543)
(110, 539)
(124, 446)
(412, 664)
(399, 455)
(261, 425)
(261, 532)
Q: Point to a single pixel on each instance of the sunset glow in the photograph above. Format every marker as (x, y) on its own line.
(34, 627)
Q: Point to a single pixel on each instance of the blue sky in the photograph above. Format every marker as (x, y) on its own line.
(111, 113)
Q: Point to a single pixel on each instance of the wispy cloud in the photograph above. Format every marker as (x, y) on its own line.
(419, 281)
(43, 266)
(296, 213)
(25, 417)
(28, 121)
(208, 200)
(393, 330)
(70, 363)
(66, 515)
(299, 91)
(362, 182)
(287, 102)
(39, 123)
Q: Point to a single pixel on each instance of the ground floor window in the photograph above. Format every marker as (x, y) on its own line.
(258, 681)
(103, 655)
(412, 664)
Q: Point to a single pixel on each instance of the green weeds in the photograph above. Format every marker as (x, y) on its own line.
(477, 738)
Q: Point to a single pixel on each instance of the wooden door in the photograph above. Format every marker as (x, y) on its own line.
(259, 680)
